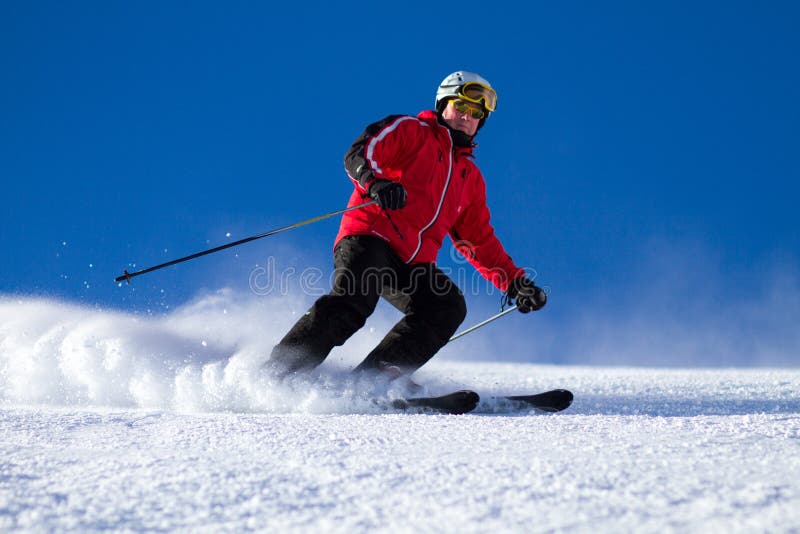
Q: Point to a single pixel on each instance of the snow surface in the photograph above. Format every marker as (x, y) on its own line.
(113, 421)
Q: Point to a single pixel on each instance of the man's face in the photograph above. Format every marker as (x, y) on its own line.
(462, 121)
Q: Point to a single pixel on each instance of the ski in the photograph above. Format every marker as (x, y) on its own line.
(465, 401)
(555, 400)
(457, 403)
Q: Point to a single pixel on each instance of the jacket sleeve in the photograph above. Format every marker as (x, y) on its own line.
(474, 237)
(380, 150)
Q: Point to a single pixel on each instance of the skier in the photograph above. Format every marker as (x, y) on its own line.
(421, 174)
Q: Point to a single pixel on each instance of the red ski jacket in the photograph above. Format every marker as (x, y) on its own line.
(446, 195)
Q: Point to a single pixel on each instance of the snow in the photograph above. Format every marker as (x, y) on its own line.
(115, 421)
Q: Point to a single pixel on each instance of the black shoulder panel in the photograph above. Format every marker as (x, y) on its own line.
(355, 160)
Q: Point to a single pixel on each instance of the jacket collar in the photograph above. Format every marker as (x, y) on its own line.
(431, 118)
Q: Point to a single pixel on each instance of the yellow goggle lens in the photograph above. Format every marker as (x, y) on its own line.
(463, 107)
(479, 94)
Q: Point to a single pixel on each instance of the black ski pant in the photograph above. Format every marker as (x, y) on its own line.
(366, 269)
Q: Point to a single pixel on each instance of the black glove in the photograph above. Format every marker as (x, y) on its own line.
(390, 195)
(528, 297)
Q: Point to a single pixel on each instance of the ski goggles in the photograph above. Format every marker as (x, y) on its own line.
(465, 107)
(478, 93)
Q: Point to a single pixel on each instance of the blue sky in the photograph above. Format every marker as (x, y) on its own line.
(644, 158)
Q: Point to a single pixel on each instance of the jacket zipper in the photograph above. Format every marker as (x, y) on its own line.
(441, 202)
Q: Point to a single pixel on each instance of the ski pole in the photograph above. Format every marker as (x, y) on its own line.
(127, 276)
(482, 323)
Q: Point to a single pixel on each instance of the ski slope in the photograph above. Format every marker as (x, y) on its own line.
(109, 421)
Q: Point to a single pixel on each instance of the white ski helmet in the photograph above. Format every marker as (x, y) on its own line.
(467, 86)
